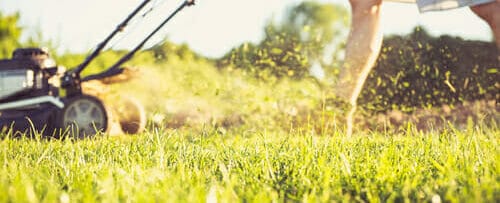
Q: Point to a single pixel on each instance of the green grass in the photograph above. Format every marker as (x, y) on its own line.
(287, 147)
(254, 165)
(253, 140)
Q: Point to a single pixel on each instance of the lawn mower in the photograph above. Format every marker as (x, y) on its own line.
(37, 96)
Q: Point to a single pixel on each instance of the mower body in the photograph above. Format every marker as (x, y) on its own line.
(31, 82)
(27, 100)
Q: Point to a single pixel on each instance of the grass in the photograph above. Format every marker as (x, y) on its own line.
(254, 166)
(285, 145)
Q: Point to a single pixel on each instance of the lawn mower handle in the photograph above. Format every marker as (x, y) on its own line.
(103, 44)
(71, 80)
(116, 68)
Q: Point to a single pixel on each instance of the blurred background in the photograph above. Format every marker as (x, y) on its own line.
(212, 27)
(271, 62)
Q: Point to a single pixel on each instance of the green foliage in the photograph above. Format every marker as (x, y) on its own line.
(159, 54)
(253, 166)
(167, 50)
(419, 70)
(316, 25)
(9, 34)
(290, 47)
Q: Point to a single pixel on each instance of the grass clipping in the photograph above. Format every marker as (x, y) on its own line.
(195, 94)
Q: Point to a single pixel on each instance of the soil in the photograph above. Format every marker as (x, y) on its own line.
(485, 112)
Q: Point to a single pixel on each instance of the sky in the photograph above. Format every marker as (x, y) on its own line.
(212, 27)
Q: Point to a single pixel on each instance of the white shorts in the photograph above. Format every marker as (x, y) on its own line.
(438, 5)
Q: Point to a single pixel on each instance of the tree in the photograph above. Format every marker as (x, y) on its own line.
(316, 25)
(9, 34)
(290, 47)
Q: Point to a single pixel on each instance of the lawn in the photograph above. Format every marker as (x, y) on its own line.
(255, 165)
(222, 136)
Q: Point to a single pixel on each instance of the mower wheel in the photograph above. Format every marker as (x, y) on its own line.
(82, 116)
(131, 115)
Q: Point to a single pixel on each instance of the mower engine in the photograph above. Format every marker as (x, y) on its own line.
(25, 91)
(27, 74)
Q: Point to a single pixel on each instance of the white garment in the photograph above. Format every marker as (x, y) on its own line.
(438, 5)
(435, 5)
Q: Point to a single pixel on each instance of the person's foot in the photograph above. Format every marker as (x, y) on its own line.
(346, 108)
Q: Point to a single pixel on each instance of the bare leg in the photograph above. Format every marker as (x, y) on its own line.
(363, 47)
(490, 13)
